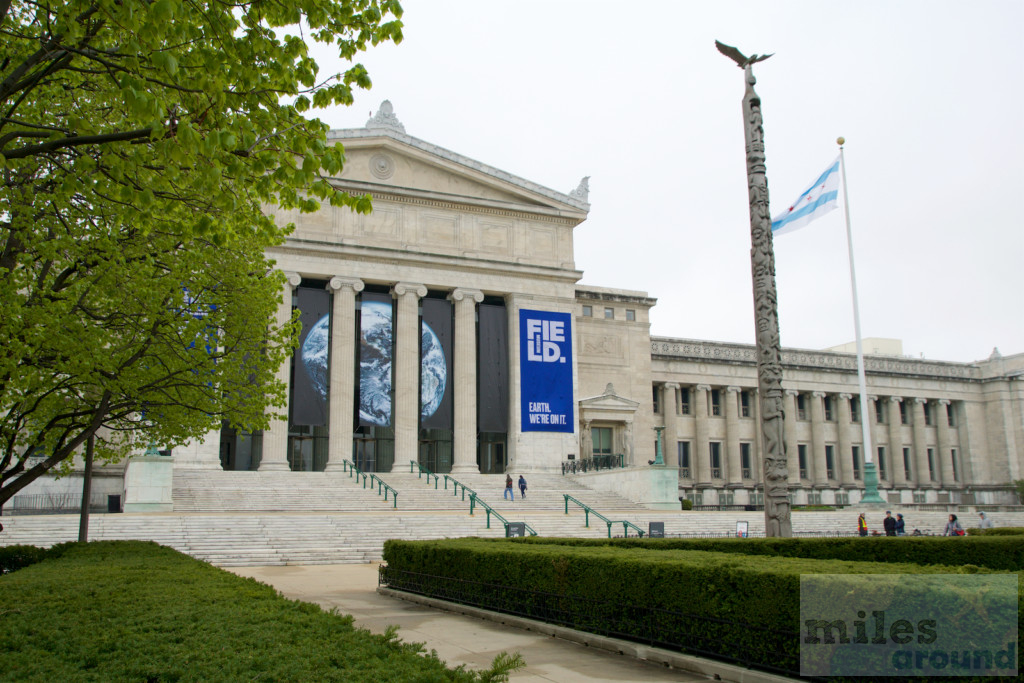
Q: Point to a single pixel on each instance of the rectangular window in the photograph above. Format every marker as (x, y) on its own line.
(745, 403)
(588, 311)
(683, 448)
(602, 440)
(801, 451)
(828, 409)
(716, 459)
(842, 498)
(630, 315)
(716, 402)
(950, 415)
(684, 400)
(855, 409)
(920, 498)
(725, 498)
(931, 464)
(698, 498)
(903, 413)
(745, 460)
(956, 472)
(879, 413)
(830, 467)
(757, 498)
(881, 463)
(927, 407)
(657, 399)
(609, 313)
(814, 498)
(856, 461)
(801, 408)
(906, 463)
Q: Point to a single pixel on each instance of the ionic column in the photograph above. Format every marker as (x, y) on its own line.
(702, 473)
(275, 437)
(942, 436)
(407, 370)
(670, 405)
(899, 472)
(343, 373)
(792, 443)
(465, 301)
(818, 440)
(845, 458)
(734, 474)
(921, 445)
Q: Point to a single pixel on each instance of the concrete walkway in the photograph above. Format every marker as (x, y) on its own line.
(460, 639)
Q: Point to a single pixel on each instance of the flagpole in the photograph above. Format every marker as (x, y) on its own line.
(870, 472)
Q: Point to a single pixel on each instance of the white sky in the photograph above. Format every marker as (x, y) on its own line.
(929, 96)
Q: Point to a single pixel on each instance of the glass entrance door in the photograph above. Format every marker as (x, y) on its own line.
(491, 455)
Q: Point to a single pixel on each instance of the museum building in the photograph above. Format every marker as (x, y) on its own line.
(449, 326)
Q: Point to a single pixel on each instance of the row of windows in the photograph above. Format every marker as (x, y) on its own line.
(609, 313)
(829, 404)
(715, 461)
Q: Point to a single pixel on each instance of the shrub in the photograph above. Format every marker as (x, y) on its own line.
(14, 557)
(687, 504)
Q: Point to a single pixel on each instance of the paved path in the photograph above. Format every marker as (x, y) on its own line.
(458, 639)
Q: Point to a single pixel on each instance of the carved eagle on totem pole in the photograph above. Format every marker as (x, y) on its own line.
(738, 57)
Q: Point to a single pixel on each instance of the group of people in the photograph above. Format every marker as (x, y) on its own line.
(896, 526)
(510, 492)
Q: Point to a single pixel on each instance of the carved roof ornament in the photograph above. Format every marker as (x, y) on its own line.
(995, 353)
(582, 191)
(609, 390)
(385, 118)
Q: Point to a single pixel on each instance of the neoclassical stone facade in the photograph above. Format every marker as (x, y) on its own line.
(490, 256)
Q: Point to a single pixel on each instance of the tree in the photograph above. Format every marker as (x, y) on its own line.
(140, 141)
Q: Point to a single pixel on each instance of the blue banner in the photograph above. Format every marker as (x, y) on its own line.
(545, 368)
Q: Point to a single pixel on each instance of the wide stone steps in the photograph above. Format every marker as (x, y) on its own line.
(270, 538)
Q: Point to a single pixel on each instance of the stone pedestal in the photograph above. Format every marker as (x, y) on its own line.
(656, 488)
(147, 484)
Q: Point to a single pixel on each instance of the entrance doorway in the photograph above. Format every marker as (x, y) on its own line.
(435, 450)
(491, 453)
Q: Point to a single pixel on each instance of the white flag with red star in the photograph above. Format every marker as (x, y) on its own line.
(817, 200)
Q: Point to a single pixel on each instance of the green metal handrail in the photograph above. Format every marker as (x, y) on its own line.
(373, 479)
(384, 488)
(423, 470)
(587, 511)
(455, 488)
(475, 500)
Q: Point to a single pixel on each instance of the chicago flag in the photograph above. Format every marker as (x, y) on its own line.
(817, 200)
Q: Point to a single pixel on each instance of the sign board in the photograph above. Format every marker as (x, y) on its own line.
(515, 530)
(741, 529)
(656, 529)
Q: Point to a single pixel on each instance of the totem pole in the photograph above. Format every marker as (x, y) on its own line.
(766, 315)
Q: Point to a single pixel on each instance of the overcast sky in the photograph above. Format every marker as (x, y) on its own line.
(929, 96)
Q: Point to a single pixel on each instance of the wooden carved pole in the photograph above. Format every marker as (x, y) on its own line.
(766, 316)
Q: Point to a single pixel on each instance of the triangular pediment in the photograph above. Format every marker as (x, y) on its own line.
(382, 160)
(609, 401)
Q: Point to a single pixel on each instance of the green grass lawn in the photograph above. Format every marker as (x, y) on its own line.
(135, 611)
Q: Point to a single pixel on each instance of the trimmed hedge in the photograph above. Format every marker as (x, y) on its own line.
(136, 611)
(727, 602)
(14, 557)
(1004, 553)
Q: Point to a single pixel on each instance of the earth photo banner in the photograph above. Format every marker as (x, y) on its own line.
(435, 364)
(376, 352)
(309, 392)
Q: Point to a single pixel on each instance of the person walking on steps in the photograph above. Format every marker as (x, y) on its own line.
(522, 487)
(509, 491)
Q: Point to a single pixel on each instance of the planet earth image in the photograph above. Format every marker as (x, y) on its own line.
(375, 364)
(314, 355)
(433, 372)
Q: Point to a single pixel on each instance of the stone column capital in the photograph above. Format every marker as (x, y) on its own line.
(293, 278)
(402, 288)
(703, 387)
(733, 390)
(846, 397)
(337, 282)
(671, 385)
(944, 401)
(791, 392)
(461, 293)
(818, 394)
(919, 400)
